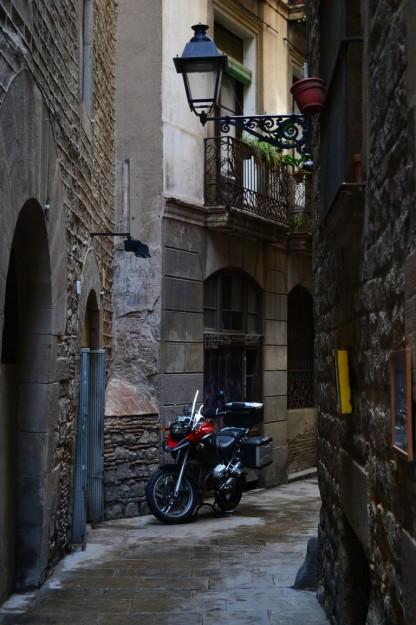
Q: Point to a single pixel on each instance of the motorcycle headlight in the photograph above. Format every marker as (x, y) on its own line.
(177, 429)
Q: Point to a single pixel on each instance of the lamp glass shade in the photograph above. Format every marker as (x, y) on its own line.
(202, 90)
(201, 66)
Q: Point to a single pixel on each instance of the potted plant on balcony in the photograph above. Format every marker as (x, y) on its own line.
(309, 94)
(273, 157)
(301, 165)
(300, 222)
(263, 151)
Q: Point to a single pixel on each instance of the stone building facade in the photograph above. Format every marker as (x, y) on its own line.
(365, 291)
(56, 187)
(212, 233)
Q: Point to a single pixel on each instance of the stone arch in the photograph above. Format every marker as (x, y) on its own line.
(90, 309)
(236, 269)
(227, 252)
(32, 271)
(30, 169)
(89, 440)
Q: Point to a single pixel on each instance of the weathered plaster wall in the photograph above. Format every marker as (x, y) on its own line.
(139, 194)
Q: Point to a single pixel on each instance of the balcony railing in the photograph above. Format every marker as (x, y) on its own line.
(235, 175)
(300, 218)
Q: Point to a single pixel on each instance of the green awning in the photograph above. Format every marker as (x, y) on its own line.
(238, 71)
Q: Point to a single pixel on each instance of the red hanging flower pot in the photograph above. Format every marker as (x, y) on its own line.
(309, 94)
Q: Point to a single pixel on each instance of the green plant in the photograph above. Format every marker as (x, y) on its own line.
(300, 221)
(272, 156)
(262, 150)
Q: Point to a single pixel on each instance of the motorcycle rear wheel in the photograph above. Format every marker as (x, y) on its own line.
(159, 496)
(227, 501)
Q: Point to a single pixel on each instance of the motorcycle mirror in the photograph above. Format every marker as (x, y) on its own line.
(220, 396)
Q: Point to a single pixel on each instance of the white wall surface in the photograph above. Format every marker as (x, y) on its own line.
(183, 134)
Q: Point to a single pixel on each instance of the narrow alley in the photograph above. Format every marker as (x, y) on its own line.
(214, 571)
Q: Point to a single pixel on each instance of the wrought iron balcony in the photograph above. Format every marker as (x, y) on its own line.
(300, 218)
(237, 177)
(299, 213)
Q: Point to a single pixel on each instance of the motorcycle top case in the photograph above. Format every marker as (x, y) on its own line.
(243, 413)
(257, 452)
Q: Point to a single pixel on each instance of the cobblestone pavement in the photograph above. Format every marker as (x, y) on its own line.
(214, 571)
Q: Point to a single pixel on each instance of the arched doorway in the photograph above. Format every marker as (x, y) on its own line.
(89, 453)
(26, 360)
(300, 392)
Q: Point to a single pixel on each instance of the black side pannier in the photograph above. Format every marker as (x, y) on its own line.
(257, 452)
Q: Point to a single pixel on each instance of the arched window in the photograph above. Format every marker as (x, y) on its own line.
(233, 327)
(86, 53)
(300, 349)
(232, 303)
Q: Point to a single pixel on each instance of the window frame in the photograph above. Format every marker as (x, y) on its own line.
(246, 283)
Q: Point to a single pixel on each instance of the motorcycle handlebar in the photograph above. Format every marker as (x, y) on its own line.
(212, 414)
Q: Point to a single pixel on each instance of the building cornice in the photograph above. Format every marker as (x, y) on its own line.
(185, 211)
(226, 219)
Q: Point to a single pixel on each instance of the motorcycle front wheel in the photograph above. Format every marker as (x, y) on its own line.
(227, 499)
(160, 499)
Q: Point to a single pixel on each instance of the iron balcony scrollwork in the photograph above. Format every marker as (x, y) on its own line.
(285, 132)
(235, 176)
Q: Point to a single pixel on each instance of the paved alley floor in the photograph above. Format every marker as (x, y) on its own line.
(214, 571)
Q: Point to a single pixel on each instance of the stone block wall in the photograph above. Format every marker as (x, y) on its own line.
(131, 455)
(275, 362)
(41, 42)
(182, 349)
(361, 304)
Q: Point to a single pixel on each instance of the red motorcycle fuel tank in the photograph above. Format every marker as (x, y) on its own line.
(203, 430)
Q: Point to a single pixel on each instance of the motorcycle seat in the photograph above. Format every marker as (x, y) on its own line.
(229, 436)
(224, 442)
(235, 432)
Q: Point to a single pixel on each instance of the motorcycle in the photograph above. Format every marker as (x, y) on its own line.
(207, 460)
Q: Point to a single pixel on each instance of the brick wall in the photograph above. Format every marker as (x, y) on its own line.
(302, 452)
(131, 455)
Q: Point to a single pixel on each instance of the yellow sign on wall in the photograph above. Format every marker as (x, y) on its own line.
(343, 381)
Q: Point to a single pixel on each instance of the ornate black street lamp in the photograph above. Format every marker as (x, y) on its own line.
(202, 66)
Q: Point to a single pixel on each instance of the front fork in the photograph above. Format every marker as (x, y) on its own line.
(181, 474)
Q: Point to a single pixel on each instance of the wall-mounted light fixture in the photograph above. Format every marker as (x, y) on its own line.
(46, 209)
(202, 66)
(140, 249)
